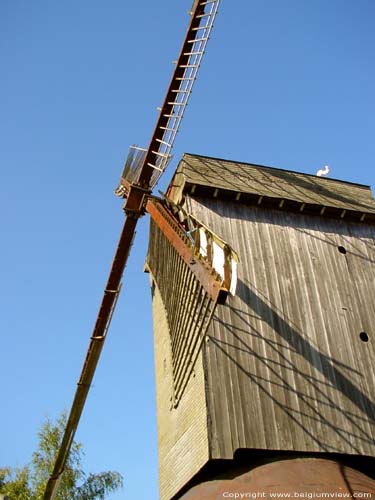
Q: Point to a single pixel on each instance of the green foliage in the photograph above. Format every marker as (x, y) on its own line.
(29, 482)
(16, 483)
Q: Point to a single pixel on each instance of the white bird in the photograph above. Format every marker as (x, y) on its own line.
(323, 171)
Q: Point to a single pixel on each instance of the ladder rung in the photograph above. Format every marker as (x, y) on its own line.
(189, 78)
(177, 103)
(207, 26)
(155, 167)
(189, 66)
(181, 91)
(203, 39)
(168, 129)
(203, 15)
(164, 142)
(163, 155)
(175, 116)
(208, 2)
(193, 53)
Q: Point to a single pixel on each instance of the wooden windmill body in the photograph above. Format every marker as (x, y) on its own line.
(263, 302)
(284, 367)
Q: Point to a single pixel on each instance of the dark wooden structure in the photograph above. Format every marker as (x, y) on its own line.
(284, 364)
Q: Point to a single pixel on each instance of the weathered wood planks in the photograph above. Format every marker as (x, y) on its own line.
(290, 370)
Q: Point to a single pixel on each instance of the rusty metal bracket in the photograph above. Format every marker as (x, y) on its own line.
(136, 199)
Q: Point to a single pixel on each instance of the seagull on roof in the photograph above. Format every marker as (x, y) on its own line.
(323, 171)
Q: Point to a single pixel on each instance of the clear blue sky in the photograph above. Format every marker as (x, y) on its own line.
(287, 83)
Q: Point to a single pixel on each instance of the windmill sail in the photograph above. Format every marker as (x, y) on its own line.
(142, 171)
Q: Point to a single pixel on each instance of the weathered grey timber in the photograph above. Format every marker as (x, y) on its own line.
(197, 173)
(287, 363)
(188, 306)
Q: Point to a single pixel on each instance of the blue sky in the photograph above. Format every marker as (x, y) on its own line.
(286, 84)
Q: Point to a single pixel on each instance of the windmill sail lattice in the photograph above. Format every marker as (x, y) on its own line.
(142, 170)
(156, 157)
(183, 259)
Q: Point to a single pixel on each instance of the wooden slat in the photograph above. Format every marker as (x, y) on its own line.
(286, 368)
(188, 305)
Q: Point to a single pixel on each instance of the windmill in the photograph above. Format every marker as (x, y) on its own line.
(142, 170)
(260, 366)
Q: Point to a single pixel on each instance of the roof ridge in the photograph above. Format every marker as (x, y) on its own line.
(276, 168)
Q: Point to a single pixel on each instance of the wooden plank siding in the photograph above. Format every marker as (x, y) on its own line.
(188, 306)
(286, 364)
(286, 368)
(181, 311)
(182, 432)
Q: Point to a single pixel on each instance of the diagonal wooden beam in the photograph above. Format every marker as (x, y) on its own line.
(176, 235)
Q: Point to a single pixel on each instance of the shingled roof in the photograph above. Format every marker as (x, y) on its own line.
(223, 178)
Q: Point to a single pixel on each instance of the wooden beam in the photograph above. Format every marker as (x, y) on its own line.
(206, 275)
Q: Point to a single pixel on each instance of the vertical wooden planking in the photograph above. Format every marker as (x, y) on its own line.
(282, 358)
